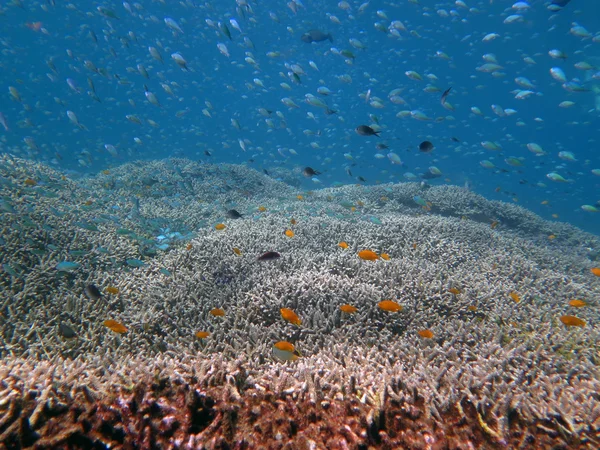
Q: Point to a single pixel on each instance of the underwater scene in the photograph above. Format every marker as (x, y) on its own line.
(243, 224)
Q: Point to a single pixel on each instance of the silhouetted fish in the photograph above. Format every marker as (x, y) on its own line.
(316, 36)
(93, 292)
(233, 214)
(310, 172)
(269, 256)
(365, 130)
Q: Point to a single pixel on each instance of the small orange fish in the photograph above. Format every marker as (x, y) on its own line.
(300, 197)
(353, 208)
(115, 326)
(494, 224)
(595, 271)
(552, 236)
(385, 256)
(384, 199)
(343, 245)
(472, 308)
(189, 247)
(368, 255)
(389, 305)
(572, 321)
(293, 221)
(220, 226)
(30, 182)
(262, 208)
(577, 303)
(237, 251)
(202, 334)
(112, 290)
(106, 172)
(217, 312)
(289, 233)
(427, 334)
(454, 291)
(348, 309)
(515, 297)
(290, 316)
(286, 351)
(88, 203)
(414, 246)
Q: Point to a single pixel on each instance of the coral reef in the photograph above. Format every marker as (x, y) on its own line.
(496, 373)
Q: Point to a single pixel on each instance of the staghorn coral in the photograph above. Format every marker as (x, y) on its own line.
(504, 375)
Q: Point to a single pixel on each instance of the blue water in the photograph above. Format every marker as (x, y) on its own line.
(226, 88)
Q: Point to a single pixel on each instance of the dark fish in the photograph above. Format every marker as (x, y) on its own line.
(365, 130)
(269, 256)
(93, 292)
(207, 153)
(330, 111)
(265, 171)
(429, 176)
(382, 146)
(561, 3)
(445, 96)
(233, 214)
(316, 36)
(425, 147)
(310, 172)
(454, 139)
(361, 179)
(66, 331)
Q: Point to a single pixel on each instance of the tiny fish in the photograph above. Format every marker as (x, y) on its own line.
(66, 331)
(309, 172)
(515, 297)
(368, 255)
(285, 351)
(426, 147)
(365, 130)
(202, 334)
(290, 316)
(115, 326)
(93, 292)
(572, 321)
(343, 245)
(289, 233)
(427, 334)
(348, 309)
(389, 305)
(220, 226)
(233, 214)
(217, 312)
(577, 303)
(269, 256)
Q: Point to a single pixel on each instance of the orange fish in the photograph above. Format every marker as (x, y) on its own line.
(427, 334)
(572, 321)
(552, 236)
(414, 246)
(348, 309)
(30, 182)
(454, 291)
(262, 208)
(595, 271)
(494, 224)
(106, 172)
(368, 255)
(115, 326)
(286, 351)
(111, 290)
(220, 226)
(88, 203)
(237, 251)
(385, 256)
(289, 233)
(299, 197)
(202, 334)
(290, 316)
(189, 247)
(389, 305)
(353, 208)
(577, 303)
(217, 312)
(515, 297)
(293, 221)
(343, 245)
(35, 26)
(472, 308)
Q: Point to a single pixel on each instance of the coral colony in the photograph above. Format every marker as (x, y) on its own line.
(393, 316)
